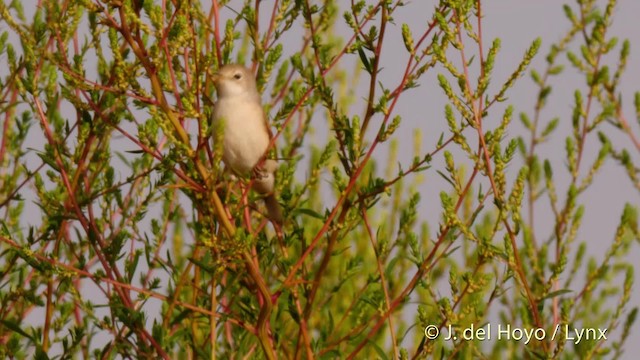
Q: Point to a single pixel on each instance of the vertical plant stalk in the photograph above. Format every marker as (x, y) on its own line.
(383, 281)
(477, 113)
(228, 227)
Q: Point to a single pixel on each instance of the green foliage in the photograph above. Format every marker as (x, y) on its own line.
(121, 235)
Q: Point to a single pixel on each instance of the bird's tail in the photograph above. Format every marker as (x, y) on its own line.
(273, 208)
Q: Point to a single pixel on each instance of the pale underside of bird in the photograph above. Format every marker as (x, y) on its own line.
(246, 135)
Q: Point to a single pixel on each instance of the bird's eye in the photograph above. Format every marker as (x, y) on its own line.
(237, 76)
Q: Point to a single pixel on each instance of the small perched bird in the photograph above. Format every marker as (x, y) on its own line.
(246, 133)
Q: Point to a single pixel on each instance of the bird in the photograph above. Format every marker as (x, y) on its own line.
(246, 134)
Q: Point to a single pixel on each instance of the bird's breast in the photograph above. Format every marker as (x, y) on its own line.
(245, 134)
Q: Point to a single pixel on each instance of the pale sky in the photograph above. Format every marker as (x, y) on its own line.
(517, 23)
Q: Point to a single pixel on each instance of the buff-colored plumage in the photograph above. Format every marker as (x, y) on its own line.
(246, 133)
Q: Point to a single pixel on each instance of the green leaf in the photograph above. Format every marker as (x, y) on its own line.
(552, 125)
(365, 61)
(16, 328)
(556, 293)
(381, 353)
(309, 212)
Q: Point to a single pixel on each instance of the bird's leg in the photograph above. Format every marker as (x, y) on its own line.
(264, 168)
(259, 173)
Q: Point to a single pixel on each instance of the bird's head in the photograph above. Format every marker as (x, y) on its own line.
(234, 80)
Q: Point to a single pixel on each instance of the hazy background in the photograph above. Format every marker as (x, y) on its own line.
(517, 23)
